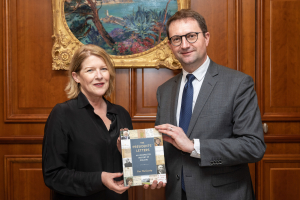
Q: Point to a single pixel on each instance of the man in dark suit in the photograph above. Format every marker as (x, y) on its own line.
(161, 169)
(125, 135)
(211, 120)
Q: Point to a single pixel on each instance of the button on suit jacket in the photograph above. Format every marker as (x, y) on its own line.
(226, 119)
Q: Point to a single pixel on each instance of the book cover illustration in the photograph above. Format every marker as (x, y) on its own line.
(143, 156)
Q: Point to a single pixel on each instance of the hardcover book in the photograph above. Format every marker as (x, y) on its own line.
(143, 156)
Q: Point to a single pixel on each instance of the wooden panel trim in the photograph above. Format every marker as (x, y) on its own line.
(8, 161)
(140, 118)
(282, 138)
(279, 117)
(39, 139)
(10, 117)
(259, 70)
(238, 34)
(21, 140)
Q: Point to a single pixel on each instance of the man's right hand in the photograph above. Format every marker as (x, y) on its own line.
(155, 185)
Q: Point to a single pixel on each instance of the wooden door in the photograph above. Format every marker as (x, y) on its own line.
(278, 87)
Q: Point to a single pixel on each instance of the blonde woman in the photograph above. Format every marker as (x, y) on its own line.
(80, 155)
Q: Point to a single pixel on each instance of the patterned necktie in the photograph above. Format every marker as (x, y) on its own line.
(186, 110)
(187, 103)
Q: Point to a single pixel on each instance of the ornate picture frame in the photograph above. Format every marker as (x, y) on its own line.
(65, 44)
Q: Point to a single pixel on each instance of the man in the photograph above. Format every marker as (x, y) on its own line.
(161, 169)
(211, 120)
(125, 135)
(128, 163)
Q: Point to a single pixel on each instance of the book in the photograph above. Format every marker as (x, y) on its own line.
(143, 156)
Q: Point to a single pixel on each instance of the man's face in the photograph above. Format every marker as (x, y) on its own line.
(125, 133)
(160, 168)
(190, 55)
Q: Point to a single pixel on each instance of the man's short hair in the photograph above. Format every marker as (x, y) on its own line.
(184, 14)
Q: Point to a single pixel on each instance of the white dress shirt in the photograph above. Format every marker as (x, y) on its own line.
(197, 83)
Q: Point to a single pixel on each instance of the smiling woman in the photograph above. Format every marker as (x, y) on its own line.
(93, 78)
(80, 154)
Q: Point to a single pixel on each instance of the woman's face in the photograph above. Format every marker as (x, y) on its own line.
(93, 77)
(157, 141)
(130, 182)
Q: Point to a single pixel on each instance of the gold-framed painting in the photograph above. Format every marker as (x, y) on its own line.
(131, 31)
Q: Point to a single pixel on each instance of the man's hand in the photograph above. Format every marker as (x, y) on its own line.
(177, 137)
(110, 183)
(155, 185)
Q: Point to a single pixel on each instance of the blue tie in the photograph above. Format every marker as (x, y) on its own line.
(186, 110)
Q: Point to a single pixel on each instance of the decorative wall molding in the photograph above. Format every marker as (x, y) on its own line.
(22, 140)
(274, 162)
(17, 169)
(276, 75)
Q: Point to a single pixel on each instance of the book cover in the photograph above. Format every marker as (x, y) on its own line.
(143, 156)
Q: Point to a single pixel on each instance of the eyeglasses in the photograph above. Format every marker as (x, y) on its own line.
(190, 37)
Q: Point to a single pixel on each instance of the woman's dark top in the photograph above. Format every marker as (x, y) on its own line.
(77, 148)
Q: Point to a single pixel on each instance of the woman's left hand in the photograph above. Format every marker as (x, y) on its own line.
(119, 140)
(119, 144)
(116, 186)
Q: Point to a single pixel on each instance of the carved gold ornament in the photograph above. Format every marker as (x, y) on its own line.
(65, 44)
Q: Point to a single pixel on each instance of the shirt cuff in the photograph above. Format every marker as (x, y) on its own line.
(196, 152)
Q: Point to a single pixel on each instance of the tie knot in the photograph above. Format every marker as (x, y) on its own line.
(190, 77)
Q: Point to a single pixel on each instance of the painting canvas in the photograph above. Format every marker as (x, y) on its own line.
(121, 27)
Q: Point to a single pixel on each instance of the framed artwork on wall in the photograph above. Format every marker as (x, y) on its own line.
(131, 31)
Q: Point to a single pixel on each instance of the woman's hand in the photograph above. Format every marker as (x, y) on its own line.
(119, 139)
(116, 186)
(119, 144)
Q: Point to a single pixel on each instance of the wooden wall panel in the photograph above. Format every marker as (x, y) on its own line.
(278, 59)
(145, 84)
(31, 87)
(280, 177)
(24, 179)
(283, 185)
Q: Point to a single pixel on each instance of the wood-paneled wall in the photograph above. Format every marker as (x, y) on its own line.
(258, 37)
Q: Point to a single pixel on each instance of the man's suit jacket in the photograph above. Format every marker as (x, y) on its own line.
(227, 120)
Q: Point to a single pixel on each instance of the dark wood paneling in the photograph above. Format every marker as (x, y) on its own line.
(279, 177)
(283, 185)
(24, 179)
(31, 87)
(278, 58)
(145, 84)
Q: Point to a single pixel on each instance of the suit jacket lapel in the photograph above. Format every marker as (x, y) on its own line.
(208, 84)
(174, 102)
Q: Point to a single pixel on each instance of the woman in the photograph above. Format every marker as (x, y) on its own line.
(80, 156)
(129, 181)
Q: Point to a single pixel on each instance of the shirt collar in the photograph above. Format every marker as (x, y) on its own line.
(198, 73)
(83, 102)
